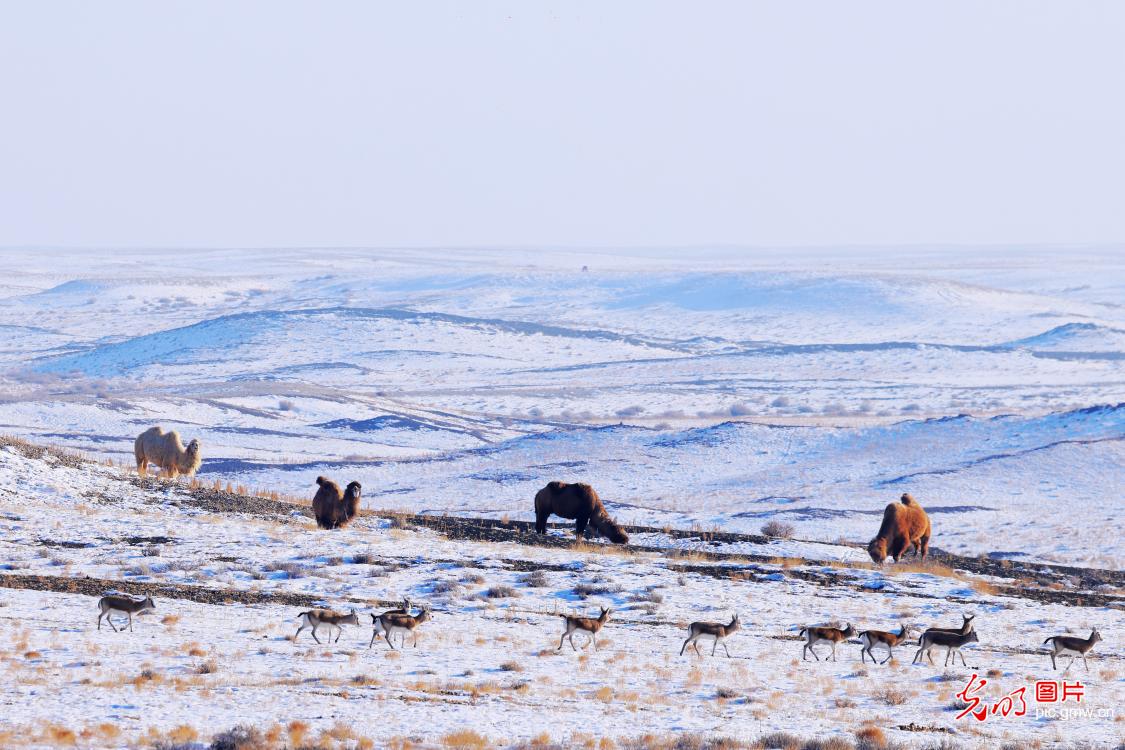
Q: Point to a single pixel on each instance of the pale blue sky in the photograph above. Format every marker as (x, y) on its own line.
(569, 123)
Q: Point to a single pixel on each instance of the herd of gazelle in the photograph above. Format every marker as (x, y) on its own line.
(402, 622)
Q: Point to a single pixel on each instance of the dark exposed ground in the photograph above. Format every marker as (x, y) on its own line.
(1058, 584)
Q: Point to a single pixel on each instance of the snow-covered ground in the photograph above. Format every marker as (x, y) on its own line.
(485, 664)
(691, 387)
(705, 390)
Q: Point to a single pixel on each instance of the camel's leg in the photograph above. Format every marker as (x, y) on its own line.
(541, 522)
(925, 546)
(580, 525)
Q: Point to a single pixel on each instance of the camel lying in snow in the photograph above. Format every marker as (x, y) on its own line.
(580, 502)
(332, 508)
(905, 525)
(165, 451)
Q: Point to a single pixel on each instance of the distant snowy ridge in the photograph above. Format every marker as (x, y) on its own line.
(206, 339)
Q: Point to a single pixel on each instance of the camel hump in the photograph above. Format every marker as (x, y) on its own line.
(556, 485)
(906, 499)
(322, 481)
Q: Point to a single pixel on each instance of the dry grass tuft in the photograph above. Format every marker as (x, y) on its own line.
(778, 529)
(892, 696)
(208, 667)
(297, 731)
(870, 738)
(466, 739)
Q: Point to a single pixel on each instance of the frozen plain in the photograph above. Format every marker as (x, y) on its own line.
(706, 390)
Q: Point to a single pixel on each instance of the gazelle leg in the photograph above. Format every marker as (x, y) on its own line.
(594, 640)
(930, 655)
(833, 651)
(725, 649)
(962, 655)
(314, 632)
(1086, 662)
(561, 642)
(681, 647)
(890, 653)
(130, 622)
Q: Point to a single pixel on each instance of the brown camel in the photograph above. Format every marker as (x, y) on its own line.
(580, 502)
(905, 525)
(332, 508)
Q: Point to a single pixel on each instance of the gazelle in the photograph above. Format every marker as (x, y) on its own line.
(589, 625)
(882, 639)
(966, 626)
(1072, 646)
(815, 635)
(951, 642)
(125, 605)
(396, 621)
(314, 618)
(716, 630)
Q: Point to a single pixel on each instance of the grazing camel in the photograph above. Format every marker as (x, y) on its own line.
(580, 502)
(165, 451)
(905, 525)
